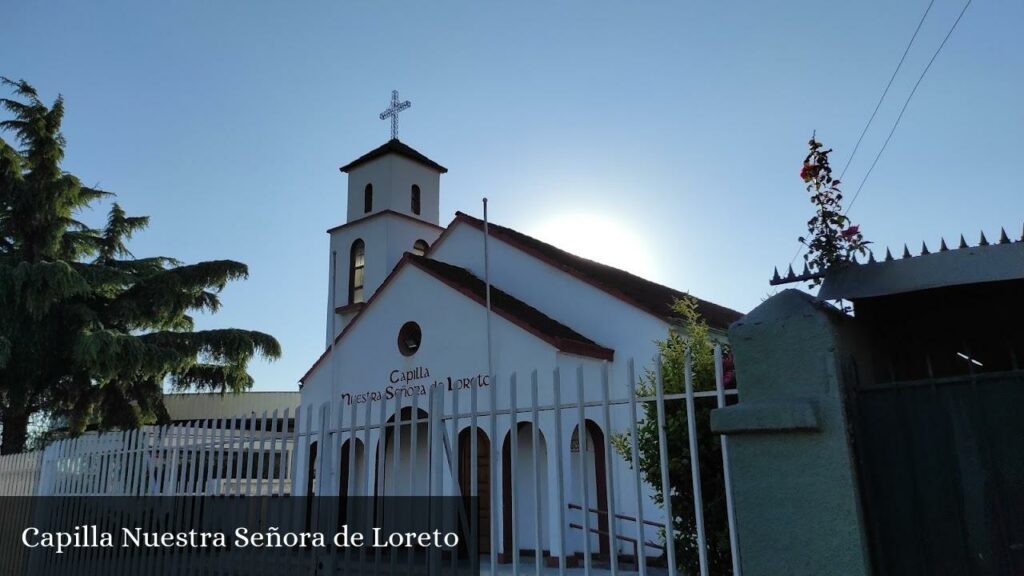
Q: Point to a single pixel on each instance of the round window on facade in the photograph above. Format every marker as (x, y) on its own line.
(409, 338)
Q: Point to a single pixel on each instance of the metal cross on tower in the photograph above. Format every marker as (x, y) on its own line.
(392, 112)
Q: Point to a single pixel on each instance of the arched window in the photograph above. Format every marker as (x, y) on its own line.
(356, 263)
(368, 198)
(420, 247)
(415, 203)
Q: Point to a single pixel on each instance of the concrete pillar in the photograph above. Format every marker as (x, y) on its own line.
(793, 475)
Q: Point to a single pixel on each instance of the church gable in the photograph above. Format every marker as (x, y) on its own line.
(447, 306)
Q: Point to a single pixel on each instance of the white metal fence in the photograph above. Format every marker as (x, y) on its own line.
(19, 474)
(556, 492)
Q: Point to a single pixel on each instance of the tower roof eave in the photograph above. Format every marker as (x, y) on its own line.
(394, 146)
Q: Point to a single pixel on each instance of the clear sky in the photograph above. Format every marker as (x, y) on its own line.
(663, 137)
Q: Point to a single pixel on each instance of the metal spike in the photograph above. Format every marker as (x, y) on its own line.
(791, 274)
(924, 249)
(888, 255)
(983, 241)
(775, 277)
(1002, 236)
(806, 271)
(871, 258)
(942, 245)
(853, 258)
(906, 251)
(963, 243)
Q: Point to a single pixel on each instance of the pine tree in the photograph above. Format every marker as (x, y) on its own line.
(89, 334)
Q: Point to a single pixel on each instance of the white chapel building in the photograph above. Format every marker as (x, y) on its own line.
(407, 312)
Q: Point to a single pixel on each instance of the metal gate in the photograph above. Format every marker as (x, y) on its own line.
(942, 474)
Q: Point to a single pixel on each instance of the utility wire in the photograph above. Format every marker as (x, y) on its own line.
(898, 118)
(886, 91)
(905, 104)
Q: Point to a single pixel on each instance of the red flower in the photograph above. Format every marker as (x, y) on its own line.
(851, 232)
(808, 172)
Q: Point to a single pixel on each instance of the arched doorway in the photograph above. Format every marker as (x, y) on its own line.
(403, 469)
(597, 489)
(351, 479)
(525, 485)
(483, 481)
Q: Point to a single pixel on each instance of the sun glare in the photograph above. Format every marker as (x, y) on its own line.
(598, 237)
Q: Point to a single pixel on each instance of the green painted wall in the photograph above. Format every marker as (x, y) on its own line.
(794, 482)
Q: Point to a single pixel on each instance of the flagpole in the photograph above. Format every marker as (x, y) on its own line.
(487, 283)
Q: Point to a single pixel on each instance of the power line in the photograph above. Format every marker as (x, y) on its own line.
(877, 106)
(905, 104)
(886, 91)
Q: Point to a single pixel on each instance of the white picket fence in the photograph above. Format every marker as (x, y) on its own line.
(19, 473)
(574, 510)
(211, 457)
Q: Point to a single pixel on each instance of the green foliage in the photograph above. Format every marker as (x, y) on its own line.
(832, 239)
(696, 339)
(89, 334)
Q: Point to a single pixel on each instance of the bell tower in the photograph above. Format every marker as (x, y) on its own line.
(393, 208)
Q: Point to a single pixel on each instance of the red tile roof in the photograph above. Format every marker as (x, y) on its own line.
(644, 294)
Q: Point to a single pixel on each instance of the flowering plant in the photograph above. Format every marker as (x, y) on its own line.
(832, 240)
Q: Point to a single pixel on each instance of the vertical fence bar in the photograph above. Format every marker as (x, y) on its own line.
(727, 476)
(458, 490)
(414, 420)
(698, 498)
(581, 435)
(666, 485)
(163, 481)
(206, 441)
(556, 392)
(238, 469)
(132, 463)
(260, 455)
(513, 440)
(282, 454)
(538, 550)
(396, 450)
(321, 451)
(216, 432)
(474, 518)
(180, 458)
(493, 469)
(334, 491)
(437, 467)
(353, 437)
(613, 533)
(382, 437)
(293, 465)
(223, 437)
(335, 449)
(307, 445)
(634, 453)
(367, 478)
